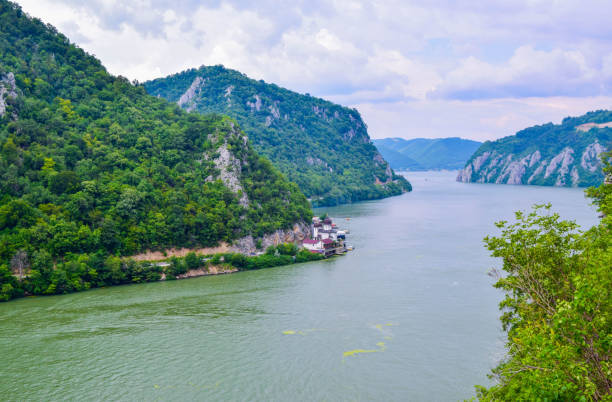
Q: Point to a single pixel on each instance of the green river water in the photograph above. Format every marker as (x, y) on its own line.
(410, 314)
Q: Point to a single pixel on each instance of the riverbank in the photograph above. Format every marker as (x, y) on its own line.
(194, 265)
(91, 272)
(194, 273)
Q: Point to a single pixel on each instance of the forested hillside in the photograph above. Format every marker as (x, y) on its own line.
(426, 153)
(323, 147)
(566, 154)
(91, 166)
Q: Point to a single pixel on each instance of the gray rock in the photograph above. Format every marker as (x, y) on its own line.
(315, 161)
(274, 110)
(590, 157)
(190, 94)
(228, 94)
(537, 172)
(480, 160)
(465, 175)
(561, 158)
(230, 167)
(575, 176)
(255, 106)
(299, 232)
(7, 90)
(535, 158)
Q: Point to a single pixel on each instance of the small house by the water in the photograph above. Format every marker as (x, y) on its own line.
(325, 238)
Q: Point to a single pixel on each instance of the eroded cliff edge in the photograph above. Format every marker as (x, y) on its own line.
(565, 155)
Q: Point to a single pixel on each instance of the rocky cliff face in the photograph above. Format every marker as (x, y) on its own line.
(228, 165)
(187, 99)
(566, 155)
(7, 91)
(246, 245)
(565, 169)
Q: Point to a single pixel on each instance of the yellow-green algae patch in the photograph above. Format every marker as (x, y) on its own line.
(354, 352)
(380, 326)
(386, 332)
(291, 332)
(304, 332)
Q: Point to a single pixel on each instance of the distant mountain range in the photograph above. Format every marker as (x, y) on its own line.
(566, 154)
(323, 147)
(426, 154)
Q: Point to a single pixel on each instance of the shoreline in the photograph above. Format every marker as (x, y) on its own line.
(163, 276)
(196, 273)
(282, 247)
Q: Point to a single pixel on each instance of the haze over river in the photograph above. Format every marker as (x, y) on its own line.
(410, 314)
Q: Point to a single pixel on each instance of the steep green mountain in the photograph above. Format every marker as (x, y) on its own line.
(565, 154)
(425, 153)
(323, 147)
(92, 166)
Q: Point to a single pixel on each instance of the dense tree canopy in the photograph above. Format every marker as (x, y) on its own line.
(321, 146)
(91, 167)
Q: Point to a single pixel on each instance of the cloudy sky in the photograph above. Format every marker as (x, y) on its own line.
(425, 68)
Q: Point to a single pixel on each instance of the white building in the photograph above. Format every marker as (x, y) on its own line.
(327, 224)
(313, 245)
(316, 227)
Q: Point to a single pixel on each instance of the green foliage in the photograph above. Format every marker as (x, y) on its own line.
(602, 195)
(8, 284)
(305, 256)
(283, 249)
(17, 213)
(321, 146)
(557, 311)
(282, 254)
(91, 167)
(192, 261)
(287, 249)
(178, 266)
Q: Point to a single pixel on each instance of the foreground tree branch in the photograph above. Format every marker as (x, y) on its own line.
(557, 310)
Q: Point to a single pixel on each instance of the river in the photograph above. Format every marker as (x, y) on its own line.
(410, 314)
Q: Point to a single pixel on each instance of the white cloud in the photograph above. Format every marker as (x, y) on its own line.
(529, 72)
(483, 69)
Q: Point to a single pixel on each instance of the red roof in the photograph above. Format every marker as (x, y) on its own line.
(310, 241)
(327, 241)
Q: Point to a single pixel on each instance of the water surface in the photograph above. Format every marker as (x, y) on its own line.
(409, 315)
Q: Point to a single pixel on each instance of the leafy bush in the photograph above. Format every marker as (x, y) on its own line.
(192, 261)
